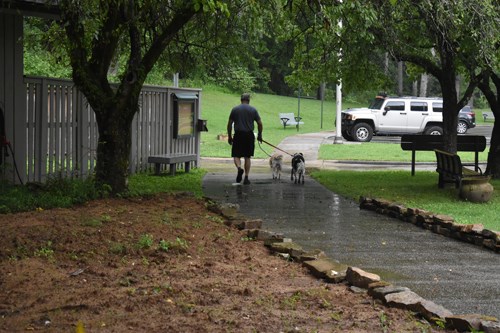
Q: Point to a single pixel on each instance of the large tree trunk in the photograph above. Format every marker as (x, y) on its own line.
(114, 109)
(493, 167)
(450, 111)
(113, 149)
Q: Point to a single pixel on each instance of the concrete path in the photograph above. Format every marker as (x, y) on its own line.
(461, 277)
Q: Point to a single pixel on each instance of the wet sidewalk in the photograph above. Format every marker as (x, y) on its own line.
(461, 277)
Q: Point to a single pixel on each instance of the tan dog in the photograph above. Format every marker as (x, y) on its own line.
(275, 162)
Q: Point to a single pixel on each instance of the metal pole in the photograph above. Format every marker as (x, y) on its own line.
(322, 92)
(176, 80)
(338, 130)
(298, 111)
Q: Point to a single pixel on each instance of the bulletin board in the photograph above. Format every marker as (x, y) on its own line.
(184, 116)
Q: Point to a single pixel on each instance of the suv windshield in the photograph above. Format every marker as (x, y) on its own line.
(377, 103)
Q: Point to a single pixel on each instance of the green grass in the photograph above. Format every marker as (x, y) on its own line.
(56, 192)
(148, 184)
(419, 191)
(68, 192)
(217, 104)
(373, 151)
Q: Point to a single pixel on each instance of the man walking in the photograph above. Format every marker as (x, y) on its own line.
(243, 117)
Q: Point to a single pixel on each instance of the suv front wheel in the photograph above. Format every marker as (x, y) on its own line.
(347, 135)
(362, 132)
(434, 130)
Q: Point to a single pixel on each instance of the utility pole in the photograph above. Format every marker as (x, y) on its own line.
(338, 96)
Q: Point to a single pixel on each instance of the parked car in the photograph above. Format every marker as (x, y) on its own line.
(398, 116)
(466, 120)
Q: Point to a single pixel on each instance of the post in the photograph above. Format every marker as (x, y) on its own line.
(322, 95)
(413, 161)
(338, 96)
(338, 131)
(298, 111)
(176, 80)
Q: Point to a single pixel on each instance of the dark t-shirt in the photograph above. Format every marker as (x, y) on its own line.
(243, 117)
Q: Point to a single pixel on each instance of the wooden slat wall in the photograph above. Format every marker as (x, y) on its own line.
(12, 95)
(62, 131)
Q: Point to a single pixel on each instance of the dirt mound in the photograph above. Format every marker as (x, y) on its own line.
(165, 264)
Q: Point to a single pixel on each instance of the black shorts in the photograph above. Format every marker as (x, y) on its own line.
(243, 144)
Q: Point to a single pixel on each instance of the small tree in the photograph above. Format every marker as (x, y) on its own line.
(180, 34)
(97, 32)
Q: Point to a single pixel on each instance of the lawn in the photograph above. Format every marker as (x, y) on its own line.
(392, 152)
(217, 104)
(419, 191)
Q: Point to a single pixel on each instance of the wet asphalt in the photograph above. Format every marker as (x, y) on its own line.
(461, 277)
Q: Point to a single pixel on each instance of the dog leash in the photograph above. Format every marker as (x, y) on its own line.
(277, 148)
(265, 152)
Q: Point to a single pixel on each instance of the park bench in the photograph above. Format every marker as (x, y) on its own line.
(488, 116)
(172, 160)
(414, 142)
(290, 119)
(451, 169)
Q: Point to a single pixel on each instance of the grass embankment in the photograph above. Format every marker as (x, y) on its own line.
(419, 191)
(66, 193)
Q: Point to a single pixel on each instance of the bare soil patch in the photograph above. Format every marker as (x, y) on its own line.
(165, 264)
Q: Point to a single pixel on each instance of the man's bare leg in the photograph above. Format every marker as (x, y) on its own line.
(248, 164)
(237, 163)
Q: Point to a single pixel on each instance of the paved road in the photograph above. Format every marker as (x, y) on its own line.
(461, 277)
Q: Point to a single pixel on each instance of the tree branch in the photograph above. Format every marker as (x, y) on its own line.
(162, 40)
(106, 42)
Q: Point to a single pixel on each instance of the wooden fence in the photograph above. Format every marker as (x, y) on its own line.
(61, 130)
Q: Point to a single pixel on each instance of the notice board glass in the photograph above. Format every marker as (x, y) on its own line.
(184, 117)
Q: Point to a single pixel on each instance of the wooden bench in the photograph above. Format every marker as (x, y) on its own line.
(290, 119)
(451, 169)
(172, 160)
(488, 116)
(414, 142)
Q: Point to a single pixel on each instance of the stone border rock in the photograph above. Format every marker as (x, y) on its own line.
(332, 271)
(440, 224)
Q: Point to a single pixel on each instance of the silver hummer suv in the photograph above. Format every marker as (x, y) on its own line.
(393, 116)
